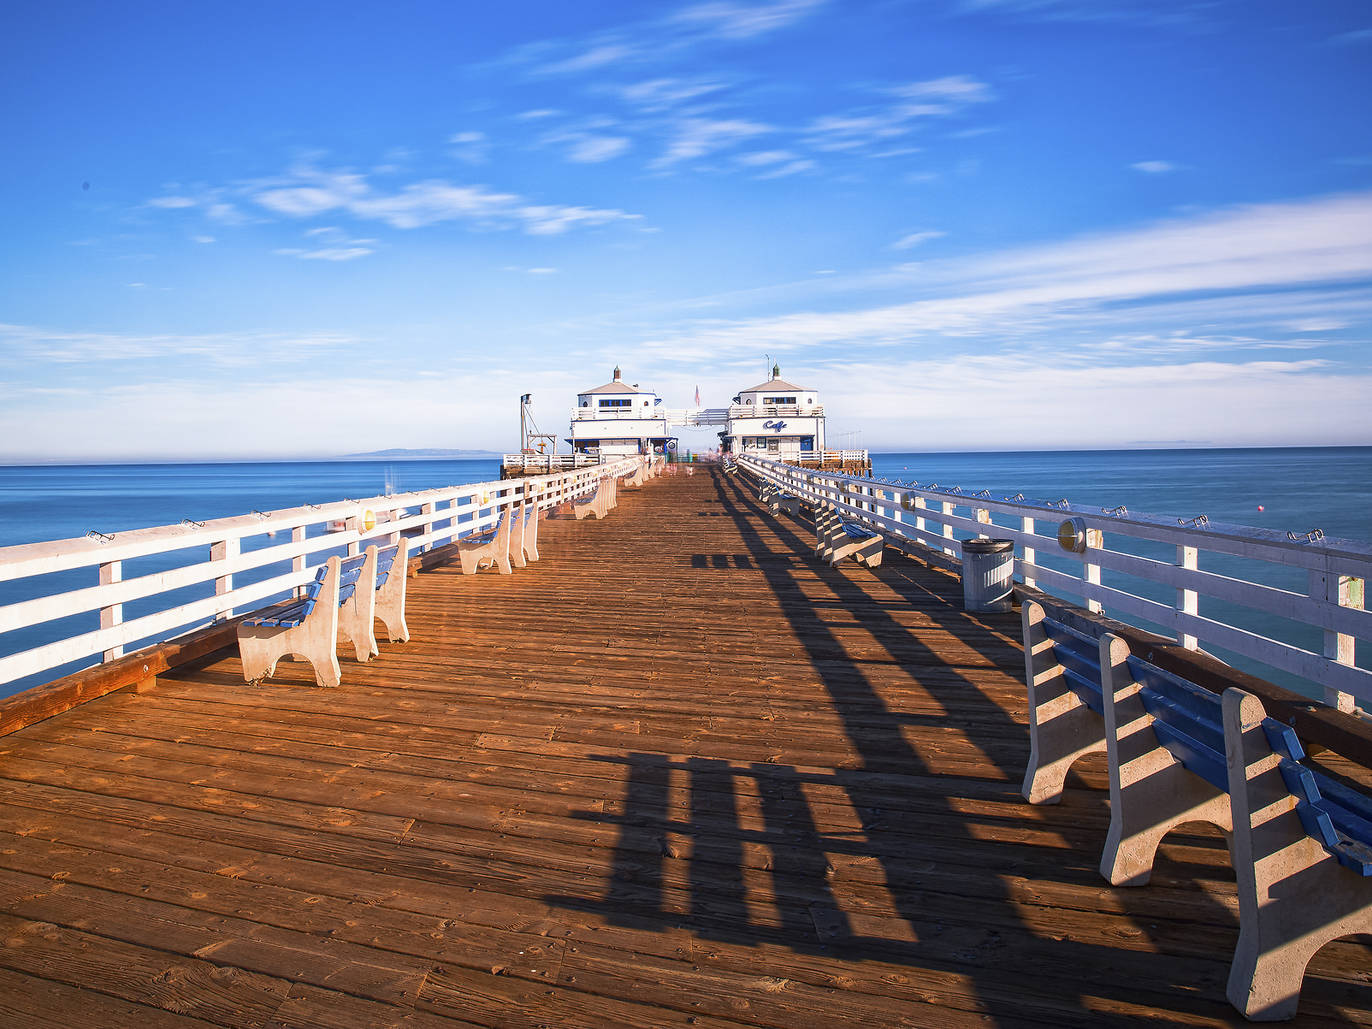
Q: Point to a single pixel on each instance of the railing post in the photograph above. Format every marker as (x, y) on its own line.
(298, 562)
(225, 550)
(947, 532)
(113, 614)
(1026, 524)
(353, 524)
(982, 515)
(1345, 591)
(1188, 601)
(428, 510)
(1090, 571)
(919, 518)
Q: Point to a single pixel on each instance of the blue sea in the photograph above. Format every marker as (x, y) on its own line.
(1278, 488)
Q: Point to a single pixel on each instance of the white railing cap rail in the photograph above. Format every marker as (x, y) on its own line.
(1309, 550)
(25, 559)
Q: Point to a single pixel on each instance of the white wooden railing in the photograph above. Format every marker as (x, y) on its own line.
(549, 462)
(227, 563)
(1249, 568)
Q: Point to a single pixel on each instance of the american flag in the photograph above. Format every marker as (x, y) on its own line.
(697, 396)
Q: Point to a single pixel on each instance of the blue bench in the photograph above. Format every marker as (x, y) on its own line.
(343, 599)
(1302, 849)
(599, 501)
(1066, 714)
(837, 538)
(1300, 840)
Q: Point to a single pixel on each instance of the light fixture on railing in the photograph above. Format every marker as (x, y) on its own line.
(1313, 536)
(1062, 503)
(99, 537)
(1118, 512)
(1017, 497)
(1075, 537)
(191, 523)
(1199, 522)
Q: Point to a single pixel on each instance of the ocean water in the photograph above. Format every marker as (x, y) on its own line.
(1297, 489)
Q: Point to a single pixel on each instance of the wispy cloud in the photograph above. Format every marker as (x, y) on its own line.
(1357, 36)
(697, 137)
(36, 345)
(1154, 167)
(590, 149)
(471, 147)
(881, 123)
(735, 21)
(308, 192)
(914, 239)
(647, 41)
(1258, 254)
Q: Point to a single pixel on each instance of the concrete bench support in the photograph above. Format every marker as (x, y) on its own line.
(1151, 790)
(1295, 895)
(524, 535)
(1062, 725)
(390, 594)
(357, 613)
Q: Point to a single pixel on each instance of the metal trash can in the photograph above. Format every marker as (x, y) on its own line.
(988, 568)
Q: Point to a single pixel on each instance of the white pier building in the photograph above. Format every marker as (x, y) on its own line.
(617, 419)
(776, 419)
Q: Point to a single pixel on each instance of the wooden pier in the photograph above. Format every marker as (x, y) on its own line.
(675, 773)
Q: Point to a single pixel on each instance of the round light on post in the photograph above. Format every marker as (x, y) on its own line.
(1072, 535)
(368, 519)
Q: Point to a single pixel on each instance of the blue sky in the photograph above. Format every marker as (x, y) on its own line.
(300, 229)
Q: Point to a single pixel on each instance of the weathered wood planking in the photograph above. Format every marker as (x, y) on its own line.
(675, 773)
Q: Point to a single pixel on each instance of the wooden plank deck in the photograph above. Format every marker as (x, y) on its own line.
(675, 773)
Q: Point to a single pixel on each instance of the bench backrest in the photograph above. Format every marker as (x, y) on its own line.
(1079, 655)
(349, 571)
(385, 557)
(1188, 720)
(1333, 814)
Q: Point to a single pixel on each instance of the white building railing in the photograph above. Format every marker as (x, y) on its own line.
(773, 410)
(618, 414)
(1331, 602)
(208, 557)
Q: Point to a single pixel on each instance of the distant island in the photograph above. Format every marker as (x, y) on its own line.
(401, 452)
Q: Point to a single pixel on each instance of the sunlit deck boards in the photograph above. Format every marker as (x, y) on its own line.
(677, 772)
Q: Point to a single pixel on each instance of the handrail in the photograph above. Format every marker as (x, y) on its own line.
(1332, 602)
(217, 554)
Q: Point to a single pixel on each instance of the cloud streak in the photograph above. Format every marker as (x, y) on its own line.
(1260, 252)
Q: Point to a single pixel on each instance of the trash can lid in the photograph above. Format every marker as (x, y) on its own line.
(987, 546)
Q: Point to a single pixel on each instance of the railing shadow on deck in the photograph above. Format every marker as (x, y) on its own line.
(915, 846)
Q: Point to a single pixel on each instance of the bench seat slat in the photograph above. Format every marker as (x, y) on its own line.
(859, 532)
(1335, 816)
(284, 618)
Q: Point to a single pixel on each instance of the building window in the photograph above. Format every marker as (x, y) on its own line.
(615, 403)
(777, 401)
